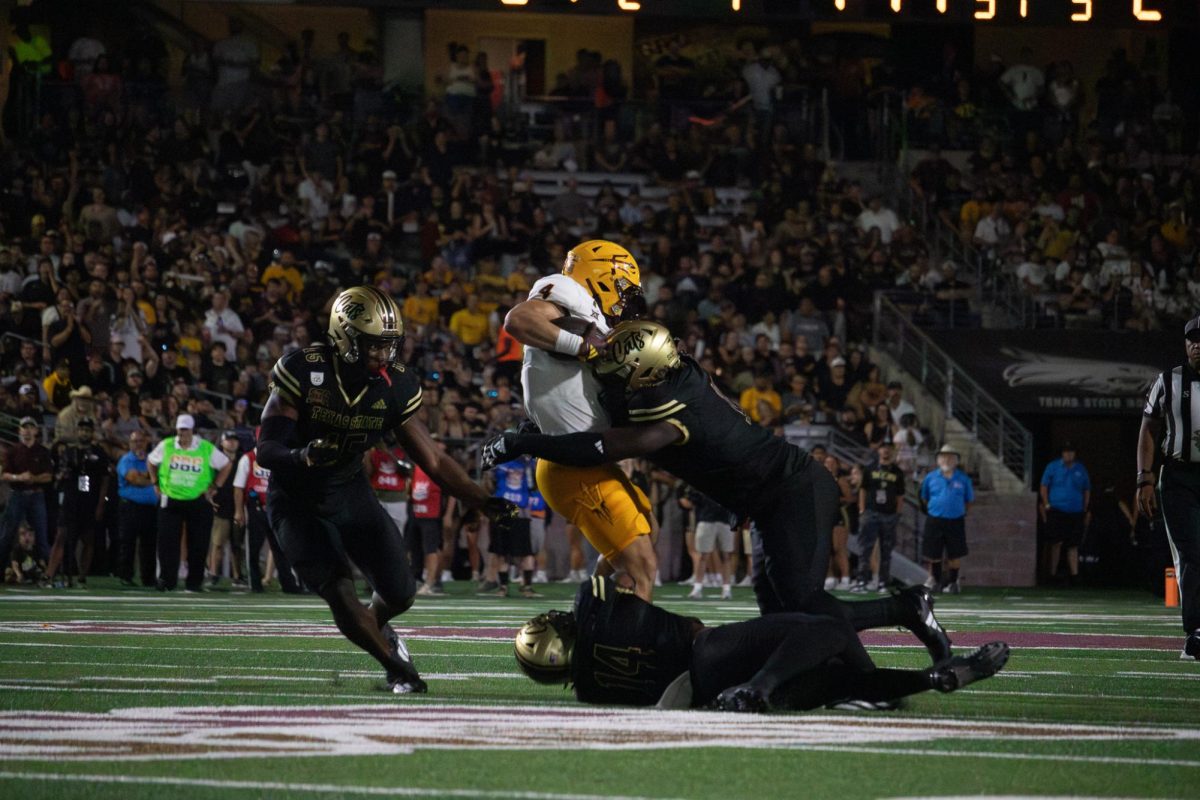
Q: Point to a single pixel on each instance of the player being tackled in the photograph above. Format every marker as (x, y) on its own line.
(329, 404)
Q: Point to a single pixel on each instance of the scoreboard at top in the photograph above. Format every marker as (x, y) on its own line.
(1110, 13)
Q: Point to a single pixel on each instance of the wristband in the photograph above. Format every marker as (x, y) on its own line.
(567, 343)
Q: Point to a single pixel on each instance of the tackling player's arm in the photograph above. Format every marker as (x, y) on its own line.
(531, 322)
(584, 449)
(439, 465)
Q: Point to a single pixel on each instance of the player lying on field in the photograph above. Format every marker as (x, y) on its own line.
(668, 411)
(617, 649)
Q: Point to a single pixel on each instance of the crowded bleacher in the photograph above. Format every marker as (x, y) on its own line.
(167, 239)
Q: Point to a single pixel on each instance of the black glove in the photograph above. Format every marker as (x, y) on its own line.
(319, 453)
(501, 512)
(498, 450)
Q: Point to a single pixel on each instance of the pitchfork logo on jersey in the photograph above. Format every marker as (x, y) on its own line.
(1088, 375)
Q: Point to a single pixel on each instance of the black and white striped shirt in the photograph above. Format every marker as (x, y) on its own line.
(1175, 399)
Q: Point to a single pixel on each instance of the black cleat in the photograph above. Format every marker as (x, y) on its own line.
(918, 602)
(744, 699)
(404, 679)
(962, 671)
(1191, 649)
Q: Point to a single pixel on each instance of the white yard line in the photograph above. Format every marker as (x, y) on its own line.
(1129, 760)
(313, 788)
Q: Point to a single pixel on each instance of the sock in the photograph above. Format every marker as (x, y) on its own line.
(886, 612)
(502, 577)
(528, 577)
(936, 568)
(952, 574)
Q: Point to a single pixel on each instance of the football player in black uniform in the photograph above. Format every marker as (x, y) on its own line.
(616, 648)
(329, 404)
(674, 416)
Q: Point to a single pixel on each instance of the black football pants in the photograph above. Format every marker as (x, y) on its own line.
(198, 516)
(1179, 494)
(792, 538)
(798, 661)
(137, 526)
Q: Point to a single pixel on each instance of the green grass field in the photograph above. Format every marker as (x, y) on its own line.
(111, 693)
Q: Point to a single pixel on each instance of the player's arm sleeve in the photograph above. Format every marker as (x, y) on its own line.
(1154, 400)
(649, 407)
(285, 382)
(409, 397)
(596, 448)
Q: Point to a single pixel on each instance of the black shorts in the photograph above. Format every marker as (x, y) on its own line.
(512, 540)
(1065, 527)
(944, 534)
(322, 534)
(427, 534)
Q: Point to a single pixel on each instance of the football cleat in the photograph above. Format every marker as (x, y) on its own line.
(1191, 649)
(962, 671)
(744, 699)
(407, 672)
(918, 602)
(407, 686)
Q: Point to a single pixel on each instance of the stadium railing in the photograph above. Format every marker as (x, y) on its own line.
(964, 400)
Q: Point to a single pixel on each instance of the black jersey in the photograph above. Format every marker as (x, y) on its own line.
(310, 380)
(627, 651)
(81, 471)
(883, 485)
(722, 453)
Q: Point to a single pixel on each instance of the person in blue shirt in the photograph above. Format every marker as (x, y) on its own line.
(1066, 495)
(137, 521)
(514, 483)
(946, 496)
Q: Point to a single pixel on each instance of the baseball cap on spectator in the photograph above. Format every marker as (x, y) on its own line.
(895, 385)
(389, 174)
(1192, 324)
(837, 362)
(374, 235)
(185, 422)
(692, 175)
(241, 402)
(27, 388)
(27, 422)
(229, 434)
(1068, 446)
(82, 391)
(323, 266)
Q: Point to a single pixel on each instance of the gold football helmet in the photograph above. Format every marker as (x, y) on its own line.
(362, 317)
(611, 276)
(640, 353)
(544, 647)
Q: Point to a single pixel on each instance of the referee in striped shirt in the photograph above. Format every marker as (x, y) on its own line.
(1174, 404)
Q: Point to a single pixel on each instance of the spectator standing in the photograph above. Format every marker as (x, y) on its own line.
(388, 469)
(236, 57)
(136, 522)
(83, 469)
(946, 496)
(428, 509)
(223, 324)
(762, 80)
(223, 525)
(250, 513)
(1066, 494)
(875, 215)
(897, 405)
(715, 533)
(29, 469)
(880, 500)
(187, 471)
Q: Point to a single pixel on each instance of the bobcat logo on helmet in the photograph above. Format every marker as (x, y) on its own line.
(611, 276)
(639, 353)
(365, 317)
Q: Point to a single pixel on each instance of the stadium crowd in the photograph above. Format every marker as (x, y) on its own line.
(164, 248)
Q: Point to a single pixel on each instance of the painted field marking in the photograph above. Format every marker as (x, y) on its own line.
(227, 732)
(311, 788)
